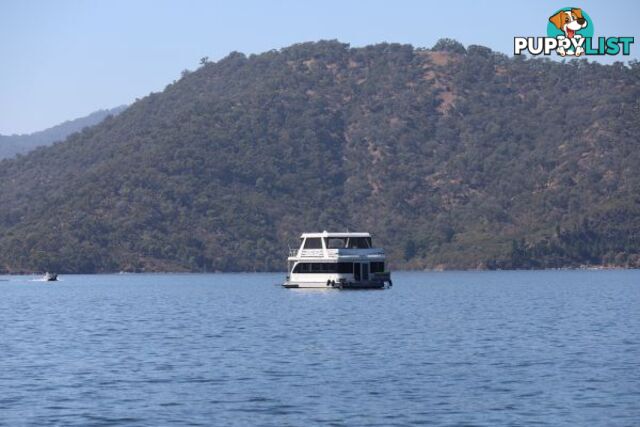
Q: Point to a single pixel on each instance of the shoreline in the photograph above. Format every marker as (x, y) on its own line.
(426, 270)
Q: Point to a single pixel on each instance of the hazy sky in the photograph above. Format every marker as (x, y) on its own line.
(64, 59)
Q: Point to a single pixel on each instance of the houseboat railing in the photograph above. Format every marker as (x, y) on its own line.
(315, 253)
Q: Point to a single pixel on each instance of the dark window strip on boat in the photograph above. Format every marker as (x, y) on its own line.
(324, 267)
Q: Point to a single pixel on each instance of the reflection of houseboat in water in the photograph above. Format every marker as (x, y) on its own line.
(337, 260)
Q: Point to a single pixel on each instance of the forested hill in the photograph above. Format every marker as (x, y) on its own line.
(10, 145)
(451, 157)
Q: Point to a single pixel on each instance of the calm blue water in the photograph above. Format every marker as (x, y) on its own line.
(454, 348)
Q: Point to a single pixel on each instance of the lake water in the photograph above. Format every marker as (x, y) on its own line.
(454, 348)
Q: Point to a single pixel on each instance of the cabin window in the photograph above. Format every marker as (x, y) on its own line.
(377, 267)
(345, 267)
(336, 243)
(302, 267)
(359, 243)
(313, 243)
(316, 267)
(332, 267)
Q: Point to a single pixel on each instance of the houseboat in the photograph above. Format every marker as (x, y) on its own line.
(337, 260)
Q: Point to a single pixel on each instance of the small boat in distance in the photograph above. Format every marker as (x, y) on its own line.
(50, 277)
(337, 260)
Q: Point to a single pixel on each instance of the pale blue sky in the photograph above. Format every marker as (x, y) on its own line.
(64, 59)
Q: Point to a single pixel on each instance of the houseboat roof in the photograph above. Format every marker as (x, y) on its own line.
(335, 234)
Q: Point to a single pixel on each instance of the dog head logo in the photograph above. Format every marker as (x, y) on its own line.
(570, 23)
